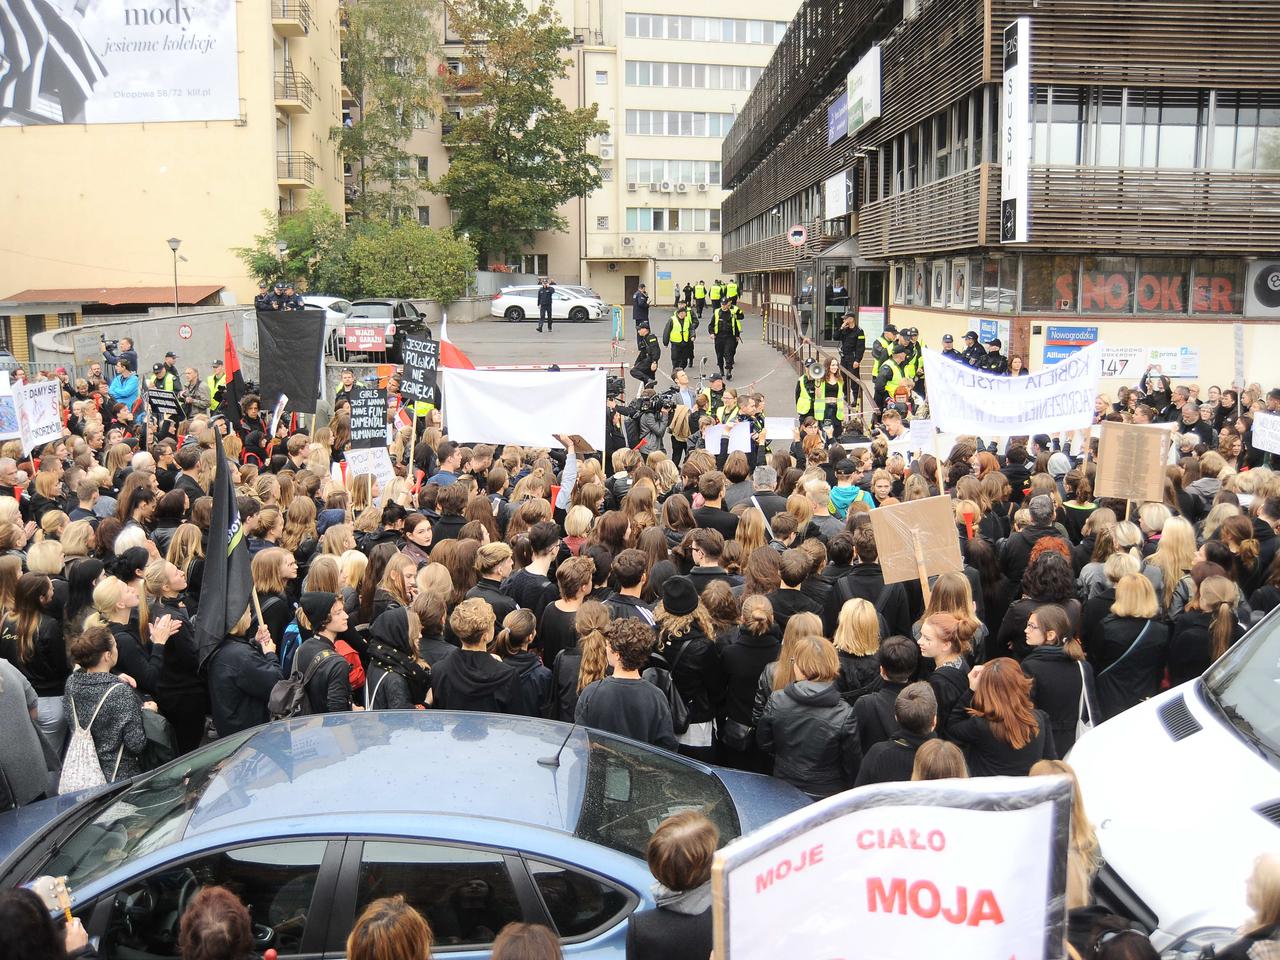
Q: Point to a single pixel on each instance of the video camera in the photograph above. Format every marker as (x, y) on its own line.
(615, 388)
(658, 403)
(110, 345)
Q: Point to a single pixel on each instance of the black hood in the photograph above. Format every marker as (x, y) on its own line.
(474, 673)
(811, 693)
(526, 662)
(392, 630)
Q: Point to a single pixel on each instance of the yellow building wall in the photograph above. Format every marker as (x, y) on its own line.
(94, 205)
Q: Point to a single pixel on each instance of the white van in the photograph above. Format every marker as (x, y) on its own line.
(1184, 790)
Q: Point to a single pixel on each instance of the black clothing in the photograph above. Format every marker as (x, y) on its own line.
(669, 934)
(1016, 555)
(474, 680)
(141, 663)
(623, 606)
(447, 527)
(556, 631)
(716, 518)
(277, 612)
(490, 591)
(993, 362)
(395, 680)
(329, 689)
(813, 736)
(181, 693)
(240, 679)
(988, 756)
(744, 661)
(875, 713)
(770, 504)
(650, 353)
(435, 649)
(866, 580)
(701, 576)
(1129, 671)
(563, 697)
(853, 344)
(950, 686)
(1241, 949)
(1191, 646)
(530, 590)
(1055, 688)
(535, 680)
(787, 603)
(858, 675)
(697, 672)
(629, 708)
(891, 760)
(49, 667)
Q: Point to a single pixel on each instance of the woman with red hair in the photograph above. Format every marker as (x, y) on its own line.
(1001, 732)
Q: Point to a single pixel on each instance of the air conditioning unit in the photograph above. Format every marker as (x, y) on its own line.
(654, 188)
(606, 153)
(702, 188)
(703, 245)
(631, 186)
(628, 241)
(662, 245)
(682, 188)
(666, 186)
(606, 139)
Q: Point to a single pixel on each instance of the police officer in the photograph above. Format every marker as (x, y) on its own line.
(731, 290)
(717, 292)
(715, 396)
(853, 341)
(291, 300)
(806, 390)
(171, 365)
(645, 369)
(949, 350)
(726, 327)
(700, 297)
(217, 383)
(679, 335)
(994, 361)
(277, 295)
(892, 372)
(882, 347)
(639, 306)
(972, 352)
(915, 355)
(546, 297)
(688, 294)
(161, 379)
(264, 300)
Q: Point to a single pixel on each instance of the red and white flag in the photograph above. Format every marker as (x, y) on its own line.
(451, 356)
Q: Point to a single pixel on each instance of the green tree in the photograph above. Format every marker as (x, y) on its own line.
(409, 260)
(387, 58)
(517, 152)
(313, 239)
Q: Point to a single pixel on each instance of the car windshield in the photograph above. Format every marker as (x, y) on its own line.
(151, 814)
(631, 789)
(1242, 685)
(377, 311)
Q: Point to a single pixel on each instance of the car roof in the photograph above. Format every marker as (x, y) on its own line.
(401, 762)
(389, 301)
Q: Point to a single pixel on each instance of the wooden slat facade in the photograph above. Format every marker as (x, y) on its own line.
(950, 214)
(776, 253)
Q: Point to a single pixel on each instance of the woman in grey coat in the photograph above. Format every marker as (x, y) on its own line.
(117, 730)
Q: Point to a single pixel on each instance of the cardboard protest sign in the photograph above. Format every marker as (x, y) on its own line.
(1131, 460)
(39, 408)
(368, 418)
(898, 527)
(376, 461)
(1266, 432)
(421, 367)
(966, 400)
(165, 405)
(942, 868)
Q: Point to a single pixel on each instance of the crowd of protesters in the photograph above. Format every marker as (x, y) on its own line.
(731, 606)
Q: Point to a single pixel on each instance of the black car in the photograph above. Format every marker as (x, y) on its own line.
(400, 317)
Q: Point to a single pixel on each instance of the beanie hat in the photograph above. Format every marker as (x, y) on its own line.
(317, 606)
(679, 596)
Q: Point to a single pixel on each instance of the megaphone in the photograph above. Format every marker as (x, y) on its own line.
(815, 370)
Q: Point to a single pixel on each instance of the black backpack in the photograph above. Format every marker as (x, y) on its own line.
(661, 677)
(289, 697)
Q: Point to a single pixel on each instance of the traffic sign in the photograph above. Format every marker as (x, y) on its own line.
(184, 331)
(797, 235)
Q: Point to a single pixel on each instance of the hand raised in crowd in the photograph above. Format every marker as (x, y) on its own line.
(164, 628)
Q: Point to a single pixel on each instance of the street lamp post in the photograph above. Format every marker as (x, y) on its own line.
(174, 243)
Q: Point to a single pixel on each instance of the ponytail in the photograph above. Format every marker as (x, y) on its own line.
(1222, 629)
(589, 625)
(518, 629)
(1248, 552)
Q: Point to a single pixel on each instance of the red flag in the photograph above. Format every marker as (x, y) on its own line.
(234, 391)
(451, 356)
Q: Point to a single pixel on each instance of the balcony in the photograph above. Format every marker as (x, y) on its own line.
(295, 170)
(293, 92)
(956, 213)
(291, 18)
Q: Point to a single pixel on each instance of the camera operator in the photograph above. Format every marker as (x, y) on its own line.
(655, 418)
(113, 351)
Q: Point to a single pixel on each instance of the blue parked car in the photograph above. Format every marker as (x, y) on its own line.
(478, 819)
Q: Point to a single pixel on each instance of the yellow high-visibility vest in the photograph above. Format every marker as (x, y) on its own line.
(822, 401)
(679, 333)
(731, 289)
(700, 292)
(715, 292)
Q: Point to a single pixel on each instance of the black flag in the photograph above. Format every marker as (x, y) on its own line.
(228, 582)
(291, 351)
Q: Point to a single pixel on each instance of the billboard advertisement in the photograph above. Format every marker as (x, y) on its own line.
(837, 118)
(117, 61)
(862, 90)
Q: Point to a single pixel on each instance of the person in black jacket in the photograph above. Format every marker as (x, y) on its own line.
(645, 369)
(472, 678)
(451, 502)
(116, 603)
(1002, 734)
(1062, 682)
(181, 693)
(686, 646)
(680, 854)
(947, 641)
(546, 297)
(875, 711)
(789, 599)
(493, 563)
(328, 688)
(241, 674)
(398, 678)
(758, 644)
(1131, 655)
(1016, 554)
(519, 630)
(867, 581)
(808, 728)
(625, 703)
(1205, 630)
(892, 760)
(712, 513)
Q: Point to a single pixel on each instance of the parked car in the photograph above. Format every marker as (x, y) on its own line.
(1185, 791)
(336, 311)
(397, 317)
(516, 303)
(478, 819)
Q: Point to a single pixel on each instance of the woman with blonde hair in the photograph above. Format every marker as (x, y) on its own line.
(397, 587)
(1205, 630)
(338, 539)
(77, 539)
(752, 532)
(1175, 556)
(1083, 855)
(1260, 936)
(573, 668)
(274, 570)
(1218, 514)
(857, 643)
(114, 602)
(1238, 535)
(939, 760)
(1133, 647)
(181, 692)
(434, 580)
(52, 524)
(775, 676)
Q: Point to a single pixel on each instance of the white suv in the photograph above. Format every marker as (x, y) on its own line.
(517, 303)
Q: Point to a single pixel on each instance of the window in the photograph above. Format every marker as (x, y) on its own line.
(602, 223)
(602, 77)
(424, 216)
(1049, 284)
(1218, 286)
(1106, 285)
(422, 166)
(64, 320)
(1162, 285)
(466, 895)
(1246, 133)
(710, 29)
(643, 73)
(274, 880)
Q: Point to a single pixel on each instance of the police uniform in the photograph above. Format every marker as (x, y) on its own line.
(881, 349)
(650, 353)
(806, 387)
(679, 335)
(717, 291)
(726, 327)
(264, 300)
(731, 291)
(161, 379)
(700, 297)
(891, 374)
(216, 384)
(292, 301)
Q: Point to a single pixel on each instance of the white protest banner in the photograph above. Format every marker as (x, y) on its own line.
(38, 406)
(902, 446)
(278, 412)
(966, 400)
(8, 413)
(922, 434)
(779, 428)
(942, 868)
(375, 460)
(740, 437)
(1266, 432)
(525, 407)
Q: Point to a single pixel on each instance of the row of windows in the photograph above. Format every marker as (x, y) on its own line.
(1088, 285)
(698, 76)
(678, 123)
(710, 29)
(676, 171)
(672, 220)
(1156, 128)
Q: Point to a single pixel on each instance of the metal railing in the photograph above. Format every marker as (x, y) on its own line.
(298, 10)
(296, 166)
(291, 85)
(788, 332)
